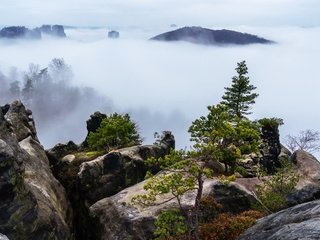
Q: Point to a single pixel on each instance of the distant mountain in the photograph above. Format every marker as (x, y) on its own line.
(206, 36)
(18, 32)
(53, 30)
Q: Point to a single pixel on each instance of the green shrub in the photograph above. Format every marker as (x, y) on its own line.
(226, 180)
(272, 193)
(170, 225)
(115, 131)
(243, 172)
(270, 122)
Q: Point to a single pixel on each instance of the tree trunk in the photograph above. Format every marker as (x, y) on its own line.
(197, 207)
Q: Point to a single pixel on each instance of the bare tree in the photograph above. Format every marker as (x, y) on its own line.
(308, 140)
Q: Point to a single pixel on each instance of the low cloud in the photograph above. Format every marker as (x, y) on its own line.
(165, 86)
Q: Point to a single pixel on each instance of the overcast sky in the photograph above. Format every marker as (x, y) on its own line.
(160, 12)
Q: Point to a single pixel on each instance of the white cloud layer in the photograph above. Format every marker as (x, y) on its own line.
(165, 86)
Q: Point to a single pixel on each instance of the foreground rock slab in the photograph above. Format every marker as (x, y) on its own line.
(299, 222)
(308, 187)
(116, 218)
(33, 204)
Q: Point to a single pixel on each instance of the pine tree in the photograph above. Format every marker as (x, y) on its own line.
(239, 96)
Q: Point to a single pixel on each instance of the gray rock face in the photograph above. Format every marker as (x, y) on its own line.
(53, 30)
(271, 147)
(308, 187)
(116, 218)
(33, 204)
(56, 153)
(88, 179)
(3, 237)
(299, 222)
(119, 169)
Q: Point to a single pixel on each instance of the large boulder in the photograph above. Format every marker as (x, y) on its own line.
(112, 172)
(308, 187)
(33, 204)
(116, 218)
(298, 222)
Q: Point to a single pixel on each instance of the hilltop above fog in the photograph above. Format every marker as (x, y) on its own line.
(207, 36)
(21, 32)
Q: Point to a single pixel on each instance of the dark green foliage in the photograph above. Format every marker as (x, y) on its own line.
(180, 175)
(270, 122)
(115, 131)
(271, 194)
(242, 171)
(170, 224)
(220, 137)
(239, 97)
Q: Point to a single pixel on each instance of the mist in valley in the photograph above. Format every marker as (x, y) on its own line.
(164, 86)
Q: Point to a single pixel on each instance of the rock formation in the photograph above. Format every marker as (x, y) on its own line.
(110, 173)
(53, 30)
(299, 222)
(100, 186)
(308, 187)
(93, 123)
(33, 204)
(206, 36)
(113, 34)
(271, 147)
(91, 176)
(116, 218)
(16, 32)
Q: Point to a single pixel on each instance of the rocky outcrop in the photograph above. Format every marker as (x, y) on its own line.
(56, 153)
(93, 123)
(53, 30)
(119, 169)
(271, 147)
(90, 176)
(206, 36)
(308, 187)
(33, 204)
(17, 32)
(116, 218)
(299, 222)
(113, 34)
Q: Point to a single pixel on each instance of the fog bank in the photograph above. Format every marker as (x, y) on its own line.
(165, 86)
